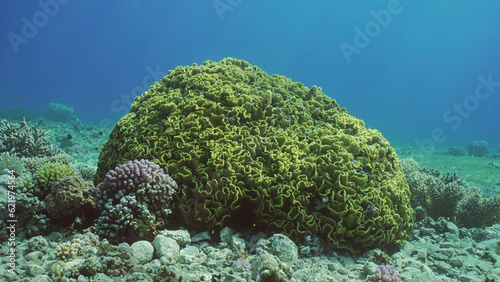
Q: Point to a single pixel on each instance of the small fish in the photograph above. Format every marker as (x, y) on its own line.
(69, 137)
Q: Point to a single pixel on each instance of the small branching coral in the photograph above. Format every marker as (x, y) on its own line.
(25, 140)
(66, 251)
(135, 199)
(385, 273)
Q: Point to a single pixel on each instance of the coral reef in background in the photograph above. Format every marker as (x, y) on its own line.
(59, 112)
(67, 133)
(18, 114)
(38, 165)
(477, 148)
(250, 149)
(456, 151)
(136, 201)
(25, 140)
(449, 196)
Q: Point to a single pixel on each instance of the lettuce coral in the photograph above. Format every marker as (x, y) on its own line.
(249, 148)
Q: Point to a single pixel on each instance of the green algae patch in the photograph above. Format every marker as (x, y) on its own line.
(244, 146)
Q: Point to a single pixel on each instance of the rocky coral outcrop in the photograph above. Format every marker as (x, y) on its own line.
(477, 148)
(68, 198)
(59, 112)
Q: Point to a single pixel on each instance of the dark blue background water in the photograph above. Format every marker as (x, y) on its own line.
(408, 68)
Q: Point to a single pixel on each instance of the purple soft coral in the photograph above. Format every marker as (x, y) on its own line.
(385, 273)
(136, 172)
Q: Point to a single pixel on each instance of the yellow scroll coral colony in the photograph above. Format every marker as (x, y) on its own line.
(247, 147)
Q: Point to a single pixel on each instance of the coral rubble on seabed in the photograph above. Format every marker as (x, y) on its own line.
(438, 251)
